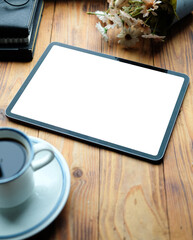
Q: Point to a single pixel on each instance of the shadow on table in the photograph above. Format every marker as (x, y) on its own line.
(178, 28)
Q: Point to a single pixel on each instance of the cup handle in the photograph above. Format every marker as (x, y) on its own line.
(39, 147)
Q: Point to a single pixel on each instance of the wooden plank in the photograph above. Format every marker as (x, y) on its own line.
(79, 219)
(73, 26)
(45, 30)
(132, 199)
(12, 77)
(132, 192)
(13, 74)
(176, 55)
(114, 196)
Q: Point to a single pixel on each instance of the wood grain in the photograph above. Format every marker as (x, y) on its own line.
(132, 193)
(132, 199)
(178, 163)
(80, 217)
(114, 196)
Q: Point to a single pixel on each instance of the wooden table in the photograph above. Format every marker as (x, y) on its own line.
(114, 196)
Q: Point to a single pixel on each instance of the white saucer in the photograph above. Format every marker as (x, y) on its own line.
(52, 187)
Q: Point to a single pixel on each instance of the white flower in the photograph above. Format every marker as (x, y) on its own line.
(110, 26)
(111, 19)
(103, 31)
(113, 11)
(127, 18)
(137, 23)
(102, 16)
(118, 3)
(150, 6)
(116, 20)
(129, 36)
(111, 3)
(135, 18)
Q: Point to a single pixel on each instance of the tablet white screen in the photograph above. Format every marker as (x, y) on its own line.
(117, 102)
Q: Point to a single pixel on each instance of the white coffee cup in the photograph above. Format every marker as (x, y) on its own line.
(17, 165)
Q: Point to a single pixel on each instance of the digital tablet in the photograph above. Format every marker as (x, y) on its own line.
(112, 102)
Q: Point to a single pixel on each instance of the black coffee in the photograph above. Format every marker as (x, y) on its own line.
(12, 157)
